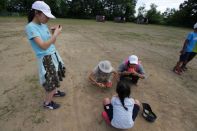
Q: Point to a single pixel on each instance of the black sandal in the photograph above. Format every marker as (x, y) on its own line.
(59, 94)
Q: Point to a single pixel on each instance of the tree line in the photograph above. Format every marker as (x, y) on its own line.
(186, 15)
(77, 8)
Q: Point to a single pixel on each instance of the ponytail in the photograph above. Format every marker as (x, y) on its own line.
(123, 90)
(31, 15)
(122, 101)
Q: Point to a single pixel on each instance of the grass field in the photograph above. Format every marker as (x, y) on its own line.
(82, 44)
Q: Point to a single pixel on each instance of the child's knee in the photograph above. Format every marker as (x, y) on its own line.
(106, 101)
(137, 102)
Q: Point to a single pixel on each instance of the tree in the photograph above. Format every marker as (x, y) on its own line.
(168, 14)
(185, 16)
(141, 11)
(58, 7)
(153, 15)
(130, 9)
(187, 13)
(2, 5)
(77, 8)
(124, 8)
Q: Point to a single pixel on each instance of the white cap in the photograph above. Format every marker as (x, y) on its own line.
(133, 59)
(42, 6)
(105, 66)
(195, 26)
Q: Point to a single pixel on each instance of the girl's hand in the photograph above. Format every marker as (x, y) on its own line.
(100, 85)
(53, 28)
(116, 76)
(135, 73)
(57, 31)
(126, 73)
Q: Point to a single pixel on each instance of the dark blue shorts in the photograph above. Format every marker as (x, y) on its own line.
(184, 57)
(191, 56)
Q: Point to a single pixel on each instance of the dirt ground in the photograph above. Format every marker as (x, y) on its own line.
(82, 45)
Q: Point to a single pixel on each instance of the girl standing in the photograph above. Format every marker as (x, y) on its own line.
(51, 66)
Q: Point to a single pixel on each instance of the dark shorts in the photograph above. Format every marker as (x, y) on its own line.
(51, 76)
(130, 79)
(191, 56)
(187, 56)
(136, 109)
(109, 109)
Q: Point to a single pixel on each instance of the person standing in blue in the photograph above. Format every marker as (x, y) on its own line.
(187, 52)
(51, 66)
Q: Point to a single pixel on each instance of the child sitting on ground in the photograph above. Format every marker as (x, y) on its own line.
(131, 69)
(103, 74)
(122, 110)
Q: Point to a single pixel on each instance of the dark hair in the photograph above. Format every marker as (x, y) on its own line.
(31, 14)
(123, 90)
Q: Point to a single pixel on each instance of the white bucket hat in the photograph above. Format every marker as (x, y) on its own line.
(105, 66)
(42, 6)
(195, 26)
(133, 59)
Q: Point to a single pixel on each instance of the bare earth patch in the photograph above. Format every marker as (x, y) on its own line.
(82, 45)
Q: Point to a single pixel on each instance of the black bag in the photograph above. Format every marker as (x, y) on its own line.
(148, 113)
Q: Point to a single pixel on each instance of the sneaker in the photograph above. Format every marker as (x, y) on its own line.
(59, 94)
(52, 105)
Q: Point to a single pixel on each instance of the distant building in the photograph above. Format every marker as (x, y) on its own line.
(120, 19)
(100, 18)
(142, 20)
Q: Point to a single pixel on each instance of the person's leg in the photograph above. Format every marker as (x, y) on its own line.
(51, 82)
(49, 103)
(178, 64)
(49, 96)
(190, 57)
(136, 109)
(106, 101)
(183, 57)
(108, 108)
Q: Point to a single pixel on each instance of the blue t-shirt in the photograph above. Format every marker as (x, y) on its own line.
(39, 30)
(192, 38)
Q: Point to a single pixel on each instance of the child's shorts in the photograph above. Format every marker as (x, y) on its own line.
(109, 109)
(136, 109)
(191, 56)
(184, 57)
(51, 76)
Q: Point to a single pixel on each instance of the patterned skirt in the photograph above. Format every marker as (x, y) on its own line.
(52, 76)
